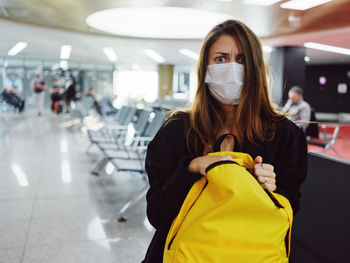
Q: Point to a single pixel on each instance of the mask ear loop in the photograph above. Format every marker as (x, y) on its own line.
(217, 145)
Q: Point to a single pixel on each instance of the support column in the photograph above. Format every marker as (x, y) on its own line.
(165, 80)
(287, 67)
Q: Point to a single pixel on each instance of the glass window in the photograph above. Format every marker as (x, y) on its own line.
(136, 85)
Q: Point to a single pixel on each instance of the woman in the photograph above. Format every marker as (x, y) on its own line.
(70, 94)
(232, 98)
(56, 96)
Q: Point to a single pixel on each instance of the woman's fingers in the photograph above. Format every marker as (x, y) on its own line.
(264, 166)
(266, 179)
(258, 160)
(268, 186)
(265, 174)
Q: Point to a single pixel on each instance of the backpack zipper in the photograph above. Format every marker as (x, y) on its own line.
(274, 200)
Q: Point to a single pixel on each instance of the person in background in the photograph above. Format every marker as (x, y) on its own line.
(56, 96)
(10, 97)
(39, 86)
(80, 95)
(70, 94)
(299, 110)
(232, 102)
(91, 95)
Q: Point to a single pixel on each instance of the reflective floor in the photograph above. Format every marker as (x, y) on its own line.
(52, 209)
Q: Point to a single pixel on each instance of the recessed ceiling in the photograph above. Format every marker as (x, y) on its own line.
(164, 22)
(47, 25)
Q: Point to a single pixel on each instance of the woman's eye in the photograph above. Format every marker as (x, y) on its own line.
(220, 60)
(240, 59)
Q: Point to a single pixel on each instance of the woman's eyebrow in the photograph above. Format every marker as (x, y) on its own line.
(222, 53)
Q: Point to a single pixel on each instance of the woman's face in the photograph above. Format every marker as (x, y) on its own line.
(225, 49)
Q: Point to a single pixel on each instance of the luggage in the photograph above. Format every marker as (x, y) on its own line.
(228, 217)
(57, 107)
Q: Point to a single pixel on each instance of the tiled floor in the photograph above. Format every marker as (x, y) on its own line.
(51, 208)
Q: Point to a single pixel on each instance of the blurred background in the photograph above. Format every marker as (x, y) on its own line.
(73, 179)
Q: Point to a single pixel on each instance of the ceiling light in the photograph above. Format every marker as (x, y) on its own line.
(327, 48)
(17, 48)
(65, 51)
(110, 54)
(189, 53)
(157, 22)
(261, 2)
(303, 4)
(154, 55)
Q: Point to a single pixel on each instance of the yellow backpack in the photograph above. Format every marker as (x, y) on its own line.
(228, 217)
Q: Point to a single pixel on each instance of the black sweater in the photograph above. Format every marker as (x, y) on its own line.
(168, 158)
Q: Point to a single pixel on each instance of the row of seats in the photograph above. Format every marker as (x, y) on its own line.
(123, 140)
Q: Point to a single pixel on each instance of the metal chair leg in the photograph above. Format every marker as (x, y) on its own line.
(88, 148)
(100, 164)
(130, 203)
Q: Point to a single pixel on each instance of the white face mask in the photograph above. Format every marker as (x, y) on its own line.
(225, 82)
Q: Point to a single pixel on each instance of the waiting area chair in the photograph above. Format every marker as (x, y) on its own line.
(112, 129)
(128, 154)
(321, 228)
(328, 140)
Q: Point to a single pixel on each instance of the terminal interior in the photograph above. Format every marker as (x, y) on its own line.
(73, 181)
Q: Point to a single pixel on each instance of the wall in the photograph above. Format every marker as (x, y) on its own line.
(325, 98)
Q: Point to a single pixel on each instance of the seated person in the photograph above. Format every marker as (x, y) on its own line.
(13, 99)
(300, 110)
(91, 95)
(5, 94)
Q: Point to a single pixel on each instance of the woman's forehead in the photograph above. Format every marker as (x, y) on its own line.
(225, 44)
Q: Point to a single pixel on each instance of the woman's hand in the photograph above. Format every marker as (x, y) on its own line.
(199, 164)
(264, 174)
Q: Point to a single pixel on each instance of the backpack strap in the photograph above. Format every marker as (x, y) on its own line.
(217, 145)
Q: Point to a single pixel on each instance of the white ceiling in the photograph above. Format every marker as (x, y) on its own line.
(44, 42)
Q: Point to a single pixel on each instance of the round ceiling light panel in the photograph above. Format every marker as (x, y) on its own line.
(157, 22)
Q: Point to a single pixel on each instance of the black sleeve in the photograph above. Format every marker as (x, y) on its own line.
(166, 165)
(291, 172)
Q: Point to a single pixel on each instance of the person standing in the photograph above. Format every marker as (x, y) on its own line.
(39, 86)
(56, 96)
(70, 94)
(232, 103)
(299, 109)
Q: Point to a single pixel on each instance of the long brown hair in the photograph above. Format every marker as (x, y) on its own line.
(255, 117)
